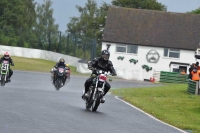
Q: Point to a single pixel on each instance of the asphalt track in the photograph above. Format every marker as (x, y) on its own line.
(30, 104)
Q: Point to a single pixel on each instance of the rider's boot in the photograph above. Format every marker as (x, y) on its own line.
(54, 80)
(63, 83)
(67, 77)
(9, 78)
(103, 99)
(52, 77)
(84, 96)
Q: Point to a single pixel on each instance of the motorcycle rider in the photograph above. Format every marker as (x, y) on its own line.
(7, 57)
(102, 63)
(68, 68)
(60, 63)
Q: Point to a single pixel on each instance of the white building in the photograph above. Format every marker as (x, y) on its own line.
(161, 40)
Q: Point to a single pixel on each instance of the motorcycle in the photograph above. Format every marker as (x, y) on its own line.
(96, 90)
(61, 75)
(4, 72)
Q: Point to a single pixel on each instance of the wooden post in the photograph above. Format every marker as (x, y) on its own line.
(197, 88)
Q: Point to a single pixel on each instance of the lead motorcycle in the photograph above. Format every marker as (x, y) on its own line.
(61, 75)
(96, 90)
(4, 72)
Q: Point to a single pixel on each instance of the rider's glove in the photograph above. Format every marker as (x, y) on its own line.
(90, 67)
(114, 74)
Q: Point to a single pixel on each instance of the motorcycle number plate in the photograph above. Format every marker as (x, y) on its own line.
(102, 77)
(4, 67)
(61, 70)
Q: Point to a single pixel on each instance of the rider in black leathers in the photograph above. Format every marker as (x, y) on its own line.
(59, 64)
(102, 63)
(7, 57)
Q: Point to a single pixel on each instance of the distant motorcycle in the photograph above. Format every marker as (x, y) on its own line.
(4, 72)
(96, 90)
(61, 75)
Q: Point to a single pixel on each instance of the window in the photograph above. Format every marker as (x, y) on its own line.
(121, 49)
(174, 53)
(133, 49)
(175, 70)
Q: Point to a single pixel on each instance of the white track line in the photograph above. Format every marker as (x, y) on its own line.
(150, 115)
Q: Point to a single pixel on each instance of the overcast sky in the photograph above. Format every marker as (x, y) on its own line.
(64, 9)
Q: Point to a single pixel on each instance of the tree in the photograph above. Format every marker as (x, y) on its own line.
(87, 21)
(45, 29)
(17, 13)
(140, 4)
(29, 12)
(16, 18)
(86, 25)
(196, 11)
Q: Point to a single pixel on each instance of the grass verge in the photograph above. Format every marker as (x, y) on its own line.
(38, 65)
(170, 103)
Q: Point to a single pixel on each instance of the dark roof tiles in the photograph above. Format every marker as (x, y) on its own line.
(152, 28)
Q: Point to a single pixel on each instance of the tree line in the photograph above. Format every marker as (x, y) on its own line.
(25, 23)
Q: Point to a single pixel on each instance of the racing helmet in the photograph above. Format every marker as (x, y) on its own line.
(105, 54)
(6, 55)
(61, 60)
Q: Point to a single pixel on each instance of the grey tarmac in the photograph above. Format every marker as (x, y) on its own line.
(30, 104)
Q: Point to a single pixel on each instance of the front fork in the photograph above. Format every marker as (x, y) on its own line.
(95, 89)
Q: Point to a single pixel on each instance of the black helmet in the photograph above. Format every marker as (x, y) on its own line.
(105, 54)
(62, 60)
(197, 63)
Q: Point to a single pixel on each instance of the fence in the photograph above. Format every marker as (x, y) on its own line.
(193, 87)
(76, 45)
(173, 77)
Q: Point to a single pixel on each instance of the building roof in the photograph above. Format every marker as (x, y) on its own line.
(152, 28)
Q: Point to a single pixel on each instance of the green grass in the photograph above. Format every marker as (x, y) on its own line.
(40, 65)
(31, 64)
(170, 103)
(37, 65)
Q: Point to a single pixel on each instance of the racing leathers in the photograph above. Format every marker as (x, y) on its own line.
(60, 64)
(11, 63)
(105, 65)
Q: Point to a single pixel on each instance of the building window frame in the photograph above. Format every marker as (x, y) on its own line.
(128, 49)
(171, 53)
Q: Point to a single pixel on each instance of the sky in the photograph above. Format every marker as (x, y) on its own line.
(64, 9)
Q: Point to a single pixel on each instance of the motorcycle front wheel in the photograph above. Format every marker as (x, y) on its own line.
(89, 101)
(96, 101)
(2, 80)
(58, 83)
